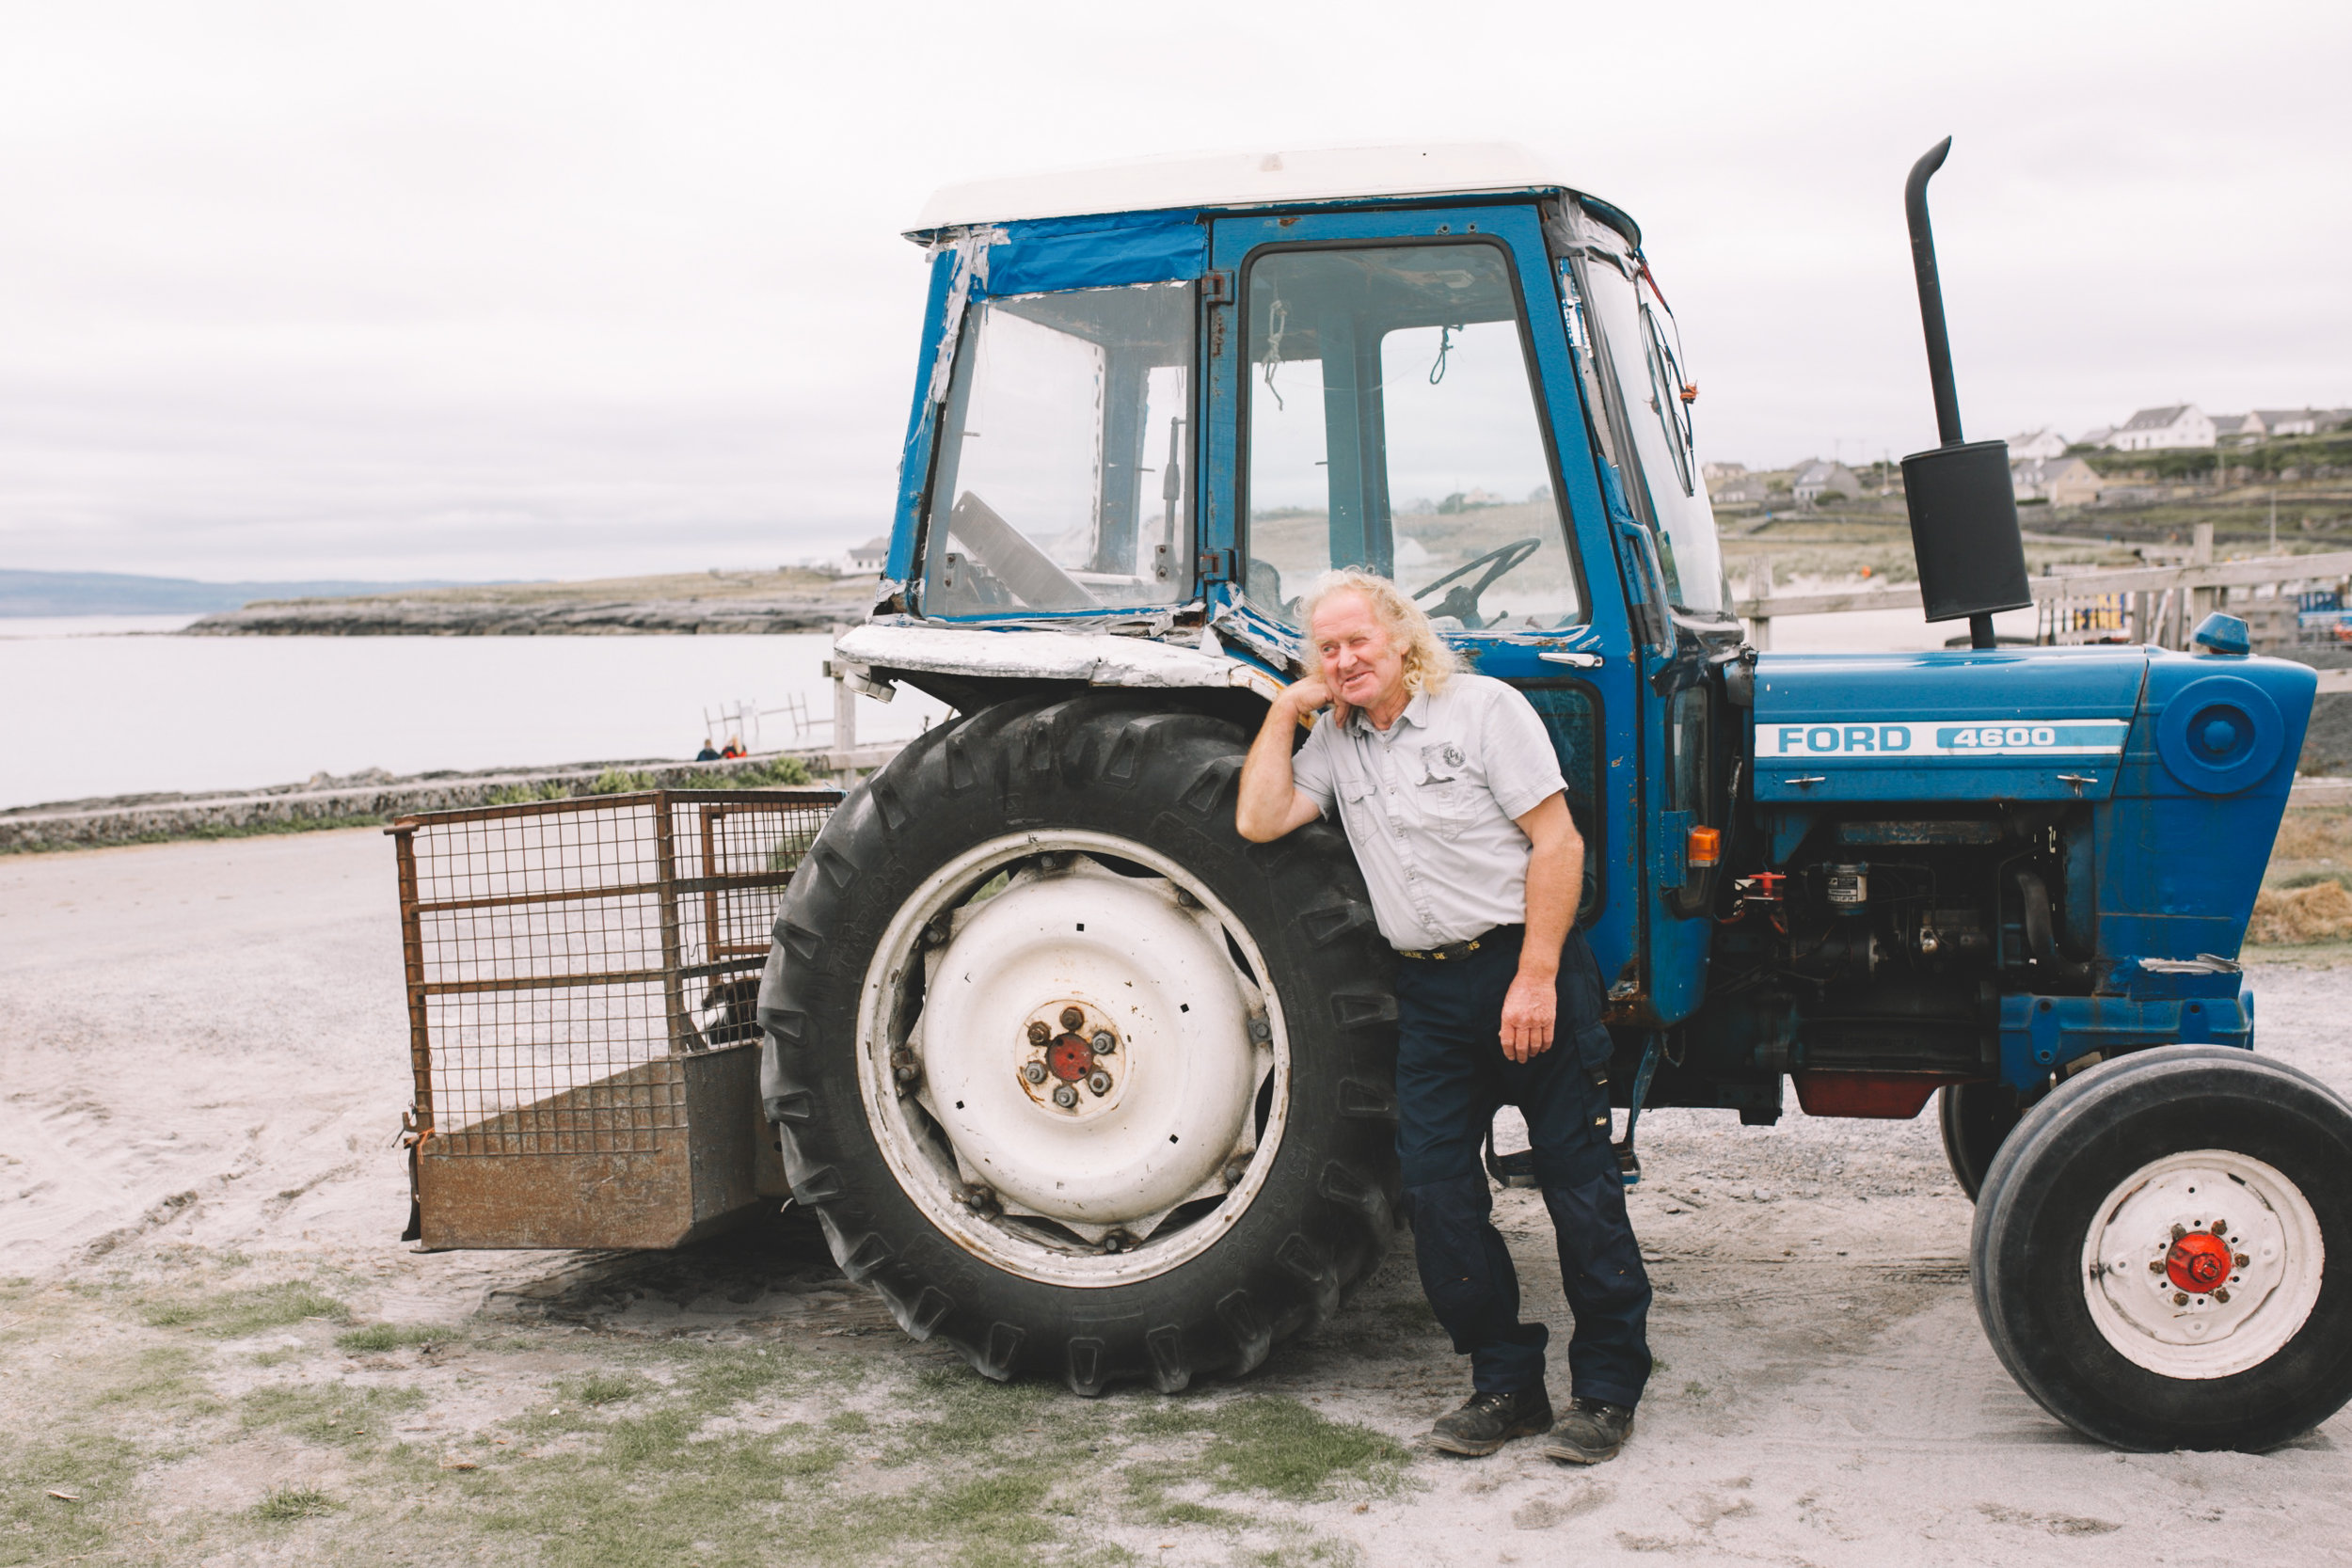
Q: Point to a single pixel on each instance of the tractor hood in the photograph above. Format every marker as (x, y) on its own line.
(1960, 724)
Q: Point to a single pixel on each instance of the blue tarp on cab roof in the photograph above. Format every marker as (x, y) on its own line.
(1107, 251)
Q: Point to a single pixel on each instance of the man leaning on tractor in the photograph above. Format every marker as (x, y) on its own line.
(1454, 803)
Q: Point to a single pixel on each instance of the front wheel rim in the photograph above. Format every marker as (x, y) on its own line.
(2202, 1264)
(989, 1108)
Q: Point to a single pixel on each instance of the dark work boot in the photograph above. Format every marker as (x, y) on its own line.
(1486, 1421)
(1590, 1433)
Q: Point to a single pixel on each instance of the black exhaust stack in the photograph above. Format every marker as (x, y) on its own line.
(1964, 511)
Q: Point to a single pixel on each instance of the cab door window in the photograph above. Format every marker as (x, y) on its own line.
(1392, 423)
(1064, 473)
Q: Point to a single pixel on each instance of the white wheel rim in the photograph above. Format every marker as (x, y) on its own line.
(2168, 1317)
(1152, 1152)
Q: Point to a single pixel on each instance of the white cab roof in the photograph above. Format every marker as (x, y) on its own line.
(1241, 180)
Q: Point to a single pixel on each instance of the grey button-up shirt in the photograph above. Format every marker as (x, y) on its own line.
(1430, 806)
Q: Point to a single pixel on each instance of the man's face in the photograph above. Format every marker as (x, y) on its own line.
(1360, 661)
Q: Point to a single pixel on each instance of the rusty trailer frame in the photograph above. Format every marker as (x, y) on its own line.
(581, 980)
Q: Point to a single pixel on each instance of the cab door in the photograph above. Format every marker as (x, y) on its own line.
(1394, 390)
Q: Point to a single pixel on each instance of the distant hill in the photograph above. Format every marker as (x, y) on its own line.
(122, 594)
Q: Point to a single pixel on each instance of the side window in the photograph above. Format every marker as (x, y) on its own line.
(1691, 784)
(1392, 424)
(1063, 481)
(1572, 715)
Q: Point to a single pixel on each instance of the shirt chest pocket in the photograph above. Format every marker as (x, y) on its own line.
(1446, 796)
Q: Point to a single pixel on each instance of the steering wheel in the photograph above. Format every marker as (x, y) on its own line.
(1462, 602)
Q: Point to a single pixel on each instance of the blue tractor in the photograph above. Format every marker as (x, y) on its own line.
(1091, 1088)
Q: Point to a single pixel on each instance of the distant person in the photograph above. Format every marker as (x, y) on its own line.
(735, 749)
(708, 752)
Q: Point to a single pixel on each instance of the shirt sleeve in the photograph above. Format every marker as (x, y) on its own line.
(1311, 766)
(1522, 769)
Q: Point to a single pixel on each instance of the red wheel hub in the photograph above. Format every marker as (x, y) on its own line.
(2199, 1261)
(1072, 1059)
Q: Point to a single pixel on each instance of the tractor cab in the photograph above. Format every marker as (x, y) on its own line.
(1159, 403)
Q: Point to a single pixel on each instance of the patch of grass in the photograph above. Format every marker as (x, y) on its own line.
(1278, 1446)
(1001, 1510)
(1147, 1492)
(618, 780)
(523, 794)
(161, 1377)
(37, 1527)
(233, 1314)
(716, 1379)
(289, 1503)
(601, 1389)
(375, 1338)
(970, 1417)
(335, 1414)
(848, 1420)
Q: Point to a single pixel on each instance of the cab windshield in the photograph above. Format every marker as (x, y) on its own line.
(1638, 355)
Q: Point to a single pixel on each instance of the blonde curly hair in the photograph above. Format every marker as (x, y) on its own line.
(1429, 662)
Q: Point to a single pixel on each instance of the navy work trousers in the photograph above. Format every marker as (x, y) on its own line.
(1451, 1078)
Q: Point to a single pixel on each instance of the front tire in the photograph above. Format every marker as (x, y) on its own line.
(2152, 1251)
(1201, 1165)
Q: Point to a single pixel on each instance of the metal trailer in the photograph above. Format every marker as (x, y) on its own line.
(1091, 1088)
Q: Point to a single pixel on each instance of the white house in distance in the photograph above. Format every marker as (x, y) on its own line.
(1817, 479)
(2174, 427)
(2044, 442)
(2059, 480)
(863, 560)
(2298, 421)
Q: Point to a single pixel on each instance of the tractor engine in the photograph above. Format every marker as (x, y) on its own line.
(1882, 946)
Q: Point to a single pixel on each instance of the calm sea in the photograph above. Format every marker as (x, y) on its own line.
(113, 706)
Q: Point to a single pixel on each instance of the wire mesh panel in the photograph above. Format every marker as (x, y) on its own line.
(566, 958)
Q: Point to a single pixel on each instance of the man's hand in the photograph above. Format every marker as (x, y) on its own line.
(1271, 802)
(1305, 697)
(1556, 875)
(1528, 1011)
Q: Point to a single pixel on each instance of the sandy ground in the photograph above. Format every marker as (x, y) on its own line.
(206, 1058)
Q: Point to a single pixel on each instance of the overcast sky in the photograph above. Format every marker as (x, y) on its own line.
(493, 289)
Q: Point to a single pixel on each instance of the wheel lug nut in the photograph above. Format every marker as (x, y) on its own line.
(1261, 1031)
(1105, 1043)
(1034, 1072)
(1064, 1096)
(1098, 1081)
(2221, 1294)
(2155, 1265)
(1039, 1033)
(1072, 1018)
(2180, 1298)
(2241, 1259)
(2179, 1232)
(2220, 1227)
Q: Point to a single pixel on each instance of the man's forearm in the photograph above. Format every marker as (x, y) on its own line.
(1555, 877)
(1267, 787)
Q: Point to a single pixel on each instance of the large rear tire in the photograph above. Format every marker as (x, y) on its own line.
(2161, 1251)
(1201, 1165)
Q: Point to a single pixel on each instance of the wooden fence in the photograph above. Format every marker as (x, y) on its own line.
(2136, 604)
